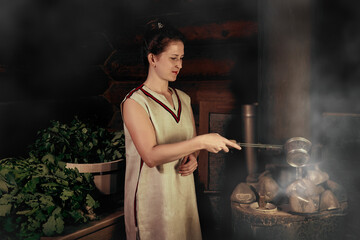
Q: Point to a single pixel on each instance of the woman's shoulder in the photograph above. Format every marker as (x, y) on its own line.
(135, 94)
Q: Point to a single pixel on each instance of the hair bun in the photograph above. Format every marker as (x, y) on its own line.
(156, 24)
(160, 25)
(157, 35)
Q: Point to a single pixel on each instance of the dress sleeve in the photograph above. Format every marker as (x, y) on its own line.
(137, 97)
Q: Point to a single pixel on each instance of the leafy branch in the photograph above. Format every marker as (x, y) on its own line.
(79, 142)
(37, 197)
(38, 194)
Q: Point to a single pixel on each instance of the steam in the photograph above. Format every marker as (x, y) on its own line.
(335, 61)
(336, 95)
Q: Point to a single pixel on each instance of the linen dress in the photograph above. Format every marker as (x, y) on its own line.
(159, 202)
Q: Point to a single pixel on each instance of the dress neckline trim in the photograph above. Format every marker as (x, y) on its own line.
(176, 115)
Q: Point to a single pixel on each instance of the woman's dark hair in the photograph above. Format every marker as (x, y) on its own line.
(158, 34)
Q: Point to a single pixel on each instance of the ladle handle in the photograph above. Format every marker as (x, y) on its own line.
(259, 145)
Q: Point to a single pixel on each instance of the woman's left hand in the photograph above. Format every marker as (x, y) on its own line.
(188, 165)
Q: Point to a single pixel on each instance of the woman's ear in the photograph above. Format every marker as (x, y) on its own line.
(151, 59)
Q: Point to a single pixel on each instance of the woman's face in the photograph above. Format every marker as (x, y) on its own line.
(169, 62)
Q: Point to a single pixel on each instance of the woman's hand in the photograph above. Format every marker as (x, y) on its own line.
(188, 165)
(143, 135)
(214, 143)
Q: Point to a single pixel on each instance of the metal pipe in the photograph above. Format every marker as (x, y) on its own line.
(248, 113)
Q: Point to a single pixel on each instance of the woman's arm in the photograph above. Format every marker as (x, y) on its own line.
(196, 153)
(144, 138)
(189, 163)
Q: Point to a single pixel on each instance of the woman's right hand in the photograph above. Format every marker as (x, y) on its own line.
(214, 143)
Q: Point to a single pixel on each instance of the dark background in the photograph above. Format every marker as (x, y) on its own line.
(335, 96)
(52, 55)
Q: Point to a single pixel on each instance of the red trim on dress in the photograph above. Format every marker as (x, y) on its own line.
(179, 105)
(134, 90)
(137, 184)
(177, 118)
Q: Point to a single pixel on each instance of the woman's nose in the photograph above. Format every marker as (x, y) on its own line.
(179, 64)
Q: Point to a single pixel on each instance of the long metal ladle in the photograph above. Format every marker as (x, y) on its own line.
(259, 145)
(296, 149)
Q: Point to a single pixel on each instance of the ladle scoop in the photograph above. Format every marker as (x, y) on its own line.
(296, 150)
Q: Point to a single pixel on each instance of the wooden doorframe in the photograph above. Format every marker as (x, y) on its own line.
(205, 109)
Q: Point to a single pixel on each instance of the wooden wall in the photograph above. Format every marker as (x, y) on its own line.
(220, 52)
(64, 58)
(58, 58)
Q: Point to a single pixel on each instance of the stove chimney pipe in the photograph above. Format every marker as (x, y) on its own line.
(249, 135)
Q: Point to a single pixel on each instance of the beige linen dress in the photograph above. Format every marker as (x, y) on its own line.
(159, 202)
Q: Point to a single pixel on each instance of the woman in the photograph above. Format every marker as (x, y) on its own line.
(162, 146)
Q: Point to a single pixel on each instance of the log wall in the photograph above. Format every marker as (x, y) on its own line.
(220, 54)
(66, 58)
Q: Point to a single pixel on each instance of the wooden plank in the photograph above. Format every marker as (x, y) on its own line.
(207, 107)
(119, 71)
(118, 89)
(220, 31)
(218, 124)
(215, 90)
(208, 67)
(93, 230)
(112, 232)
(233, 29)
